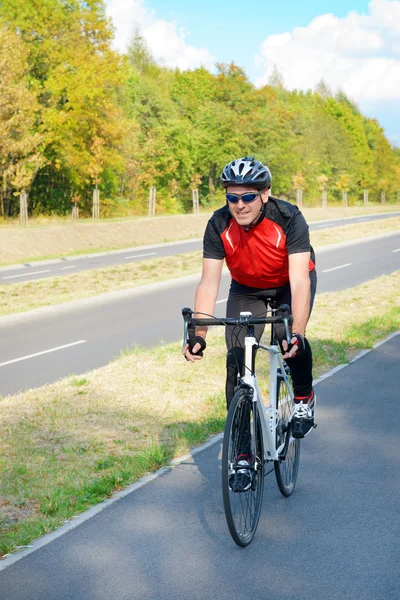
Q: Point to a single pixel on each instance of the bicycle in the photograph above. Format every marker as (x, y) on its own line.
(261, 432)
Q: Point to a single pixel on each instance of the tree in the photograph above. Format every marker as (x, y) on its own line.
(276, 79)
(343, 185)
(323, 90)
(20, 144)
(138, 53)
(77, 78)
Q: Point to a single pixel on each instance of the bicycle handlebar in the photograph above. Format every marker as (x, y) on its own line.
(244, 320)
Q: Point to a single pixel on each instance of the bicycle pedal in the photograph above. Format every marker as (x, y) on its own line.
(315, 425)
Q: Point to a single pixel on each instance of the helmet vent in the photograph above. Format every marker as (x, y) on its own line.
(246, 171)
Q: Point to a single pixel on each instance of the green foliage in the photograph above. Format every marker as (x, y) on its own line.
(75, 114)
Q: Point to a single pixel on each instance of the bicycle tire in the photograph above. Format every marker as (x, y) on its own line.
(242, 509)
(286, 470)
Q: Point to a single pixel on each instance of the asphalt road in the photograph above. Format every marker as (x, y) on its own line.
(88, 336)
(336, 538)
(75, 264)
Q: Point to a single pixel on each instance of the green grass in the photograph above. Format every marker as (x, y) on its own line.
(62, 451)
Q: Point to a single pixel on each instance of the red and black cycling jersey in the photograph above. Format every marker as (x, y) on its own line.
(258, 257)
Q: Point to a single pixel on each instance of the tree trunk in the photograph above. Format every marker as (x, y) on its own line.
(23, 212)
(96, 203)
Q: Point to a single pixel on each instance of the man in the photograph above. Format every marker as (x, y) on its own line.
(265, 243)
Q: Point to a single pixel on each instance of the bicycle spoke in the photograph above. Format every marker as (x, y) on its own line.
(286, 470)
(242, 507)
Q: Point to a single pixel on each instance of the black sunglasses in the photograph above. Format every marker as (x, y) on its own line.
(247, 197)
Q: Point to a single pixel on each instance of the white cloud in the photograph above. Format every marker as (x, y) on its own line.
(165, 39)
(359, 53)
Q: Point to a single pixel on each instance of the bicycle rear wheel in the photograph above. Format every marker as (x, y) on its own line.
(286, 469)
(242, 438)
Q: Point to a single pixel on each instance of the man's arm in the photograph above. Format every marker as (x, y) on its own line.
(206, 296)
(300, 289)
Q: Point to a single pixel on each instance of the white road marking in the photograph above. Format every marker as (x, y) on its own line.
(14, 360)
(140, 255)
(27, 274)
(220, 301)
(397, 250)
(335, 268)
(71, 267)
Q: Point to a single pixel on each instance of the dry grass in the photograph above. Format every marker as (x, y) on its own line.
(20, 296)
(350, 232)
(67, 445)
(38, 241)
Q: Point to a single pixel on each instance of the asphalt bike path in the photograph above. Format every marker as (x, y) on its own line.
(74, 264)
(336, 538)
(42, 346)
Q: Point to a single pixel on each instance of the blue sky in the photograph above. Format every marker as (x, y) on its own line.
(351, 44)
(233, 30)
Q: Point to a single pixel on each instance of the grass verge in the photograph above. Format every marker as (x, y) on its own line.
(39, 241)
(19, 297)
(66, 446)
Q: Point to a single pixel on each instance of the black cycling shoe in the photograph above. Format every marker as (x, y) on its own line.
(303, 415)
(240, 480)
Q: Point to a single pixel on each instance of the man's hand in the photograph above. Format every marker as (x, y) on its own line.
(297, 346)
(196, 352)
(191, 356)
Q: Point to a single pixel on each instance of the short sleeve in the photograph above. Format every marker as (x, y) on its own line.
(212, 243)
(297, 235)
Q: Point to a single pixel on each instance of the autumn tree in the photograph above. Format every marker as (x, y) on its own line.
(21, 152)
(77, 78)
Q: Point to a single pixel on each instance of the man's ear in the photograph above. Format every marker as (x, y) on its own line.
(264, 196)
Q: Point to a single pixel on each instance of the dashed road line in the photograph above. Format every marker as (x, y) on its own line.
(397, 250)
(139, 255)
(71, 267)
(14, 360)
(335, 268)
(26, 274)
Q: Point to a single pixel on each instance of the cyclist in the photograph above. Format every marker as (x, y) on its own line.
(266, 245)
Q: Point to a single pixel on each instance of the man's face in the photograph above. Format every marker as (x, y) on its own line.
(246, 212)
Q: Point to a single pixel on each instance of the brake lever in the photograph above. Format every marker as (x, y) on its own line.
(287, 321)
(187, 315)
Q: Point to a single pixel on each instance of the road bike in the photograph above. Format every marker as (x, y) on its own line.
(261, 433)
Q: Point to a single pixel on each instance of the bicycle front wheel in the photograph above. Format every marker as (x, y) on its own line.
(242, 467)
(286, 468)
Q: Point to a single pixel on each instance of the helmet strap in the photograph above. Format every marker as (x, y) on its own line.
(258, 219)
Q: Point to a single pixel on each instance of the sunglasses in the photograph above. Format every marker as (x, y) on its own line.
(247, 197)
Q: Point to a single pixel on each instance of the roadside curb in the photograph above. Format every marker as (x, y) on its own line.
(132, 292)
(80, 519)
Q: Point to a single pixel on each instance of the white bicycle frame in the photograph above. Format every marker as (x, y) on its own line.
(268, 415)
